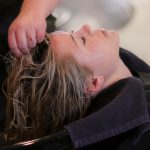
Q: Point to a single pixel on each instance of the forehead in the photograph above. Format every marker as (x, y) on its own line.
(62, 43)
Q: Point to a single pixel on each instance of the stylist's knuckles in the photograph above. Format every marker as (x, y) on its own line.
(24, 33)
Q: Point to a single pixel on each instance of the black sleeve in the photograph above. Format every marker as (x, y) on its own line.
(134, 63)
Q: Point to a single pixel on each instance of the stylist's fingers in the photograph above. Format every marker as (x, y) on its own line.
(40, 32)
(40, 36)
(13, 44)
(31, 39)
(22, 41)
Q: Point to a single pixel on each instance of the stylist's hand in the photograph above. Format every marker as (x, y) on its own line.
(25, 32)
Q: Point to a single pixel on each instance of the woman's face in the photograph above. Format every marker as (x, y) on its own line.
(98, 50)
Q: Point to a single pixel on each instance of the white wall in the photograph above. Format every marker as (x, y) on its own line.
(136, 35)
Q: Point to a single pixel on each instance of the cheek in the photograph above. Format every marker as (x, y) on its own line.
(99, 45)
(106, 57)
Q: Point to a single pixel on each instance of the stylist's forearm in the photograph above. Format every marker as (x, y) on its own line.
(34, 6)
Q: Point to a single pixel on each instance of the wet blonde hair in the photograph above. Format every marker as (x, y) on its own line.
(43, 93)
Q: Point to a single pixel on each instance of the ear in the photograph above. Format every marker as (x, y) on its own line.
(96, 83)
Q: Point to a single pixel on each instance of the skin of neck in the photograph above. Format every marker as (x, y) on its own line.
(119, 73)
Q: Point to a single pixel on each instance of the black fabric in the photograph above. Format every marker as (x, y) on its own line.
(134, 63)
(143, 144)
(123, 107)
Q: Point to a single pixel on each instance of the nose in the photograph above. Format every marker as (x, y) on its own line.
(84, 31)
(86, 28)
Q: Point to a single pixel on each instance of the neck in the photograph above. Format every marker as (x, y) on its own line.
(119, 73)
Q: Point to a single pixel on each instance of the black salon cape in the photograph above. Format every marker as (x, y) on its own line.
(117, 119)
